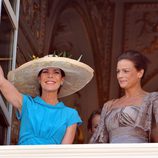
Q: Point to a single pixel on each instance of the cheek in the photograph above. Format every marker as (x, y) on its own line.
(130, 76)
(133, 76)
(133, 79)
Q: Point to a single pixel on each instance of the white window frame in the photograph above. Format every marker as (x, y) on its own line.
(14, 18)
(0, 8)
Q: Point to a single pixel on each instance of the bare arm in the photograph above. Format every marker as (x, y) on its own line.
(70, 134)
(11, 94)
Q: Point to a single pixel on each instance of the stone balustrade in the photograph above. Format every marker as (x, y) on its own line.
(81, 151)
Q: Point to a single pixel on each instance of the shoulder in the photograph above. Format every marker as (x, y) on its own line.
(29, 101)
(69, 109)
(152, 96)
(107, 105)
(27, 98)
(72, 115)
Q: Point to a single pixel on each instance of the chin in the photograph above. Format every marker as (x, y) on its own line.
(123, 86)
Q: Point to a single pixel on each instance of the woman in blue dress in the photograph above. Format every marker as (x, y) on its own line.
(35, 91)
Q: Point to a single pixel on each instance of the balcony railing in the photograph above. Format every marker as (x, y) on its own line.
(82, 151)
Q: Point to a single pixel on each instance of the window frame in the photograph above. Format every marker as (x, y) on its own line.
(14, 19)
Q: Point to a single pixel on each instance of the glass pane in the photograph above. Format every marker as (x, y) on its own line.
(6, 38)
(6, 42)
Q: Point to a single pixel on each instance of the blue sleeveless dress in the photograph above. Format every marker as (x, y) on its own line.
(42, 123)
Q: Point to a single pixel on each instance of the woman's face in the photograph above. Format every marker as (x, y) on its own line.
(50, 79)
(128, 76)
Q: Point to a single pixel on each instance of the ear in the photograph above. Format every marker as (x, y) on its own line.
(141, 73)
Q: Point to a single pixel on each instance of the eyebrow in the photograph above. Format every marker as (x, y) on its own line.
(125, 68)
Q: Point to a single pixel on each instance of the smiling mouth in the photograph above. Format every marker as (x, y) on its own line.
(122, 81)
(50, 82)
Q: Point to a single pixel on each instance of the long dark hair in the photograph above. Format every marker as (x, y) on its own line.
(40, 88)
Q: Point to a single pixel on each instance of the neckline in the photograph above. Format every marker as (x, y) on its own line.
(40, 101)
(131, 105)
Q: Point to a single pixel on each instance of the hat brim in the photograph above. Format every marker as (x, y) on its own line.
(77, 75)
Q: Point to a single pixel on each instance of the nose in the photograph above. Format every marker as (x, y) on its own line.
(50, 75)
(119, 74)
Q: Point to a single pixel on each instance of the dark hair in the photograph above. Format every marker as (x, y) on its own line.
(40, 88)
(62, 73)
(140, 61)
(93, 114)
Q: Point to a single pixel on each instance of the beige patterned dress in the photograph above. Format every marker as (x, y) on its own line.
(128, 124)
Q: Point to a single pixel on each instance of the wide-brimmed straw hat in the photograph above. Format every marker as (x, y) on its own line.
(77, 75)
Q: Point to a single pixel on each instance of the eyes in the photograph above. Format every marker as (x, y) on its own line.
(123, 70)
(54, 71)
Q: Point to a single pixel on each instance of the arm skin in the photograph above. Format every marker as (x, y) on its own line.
(11, 94)
(70, 134)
